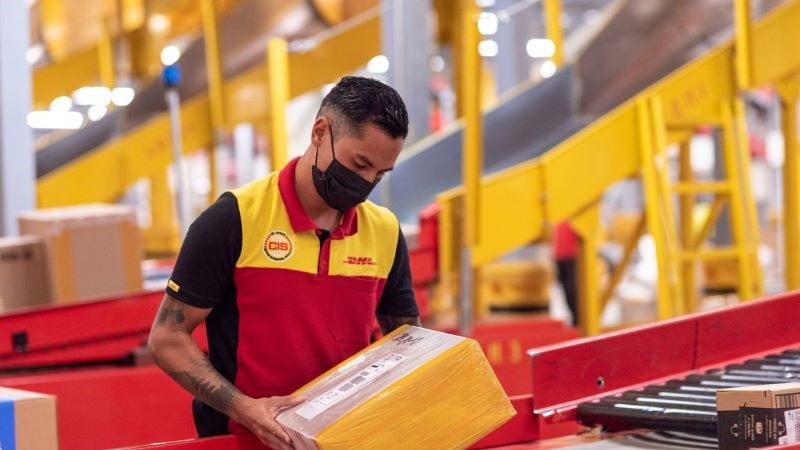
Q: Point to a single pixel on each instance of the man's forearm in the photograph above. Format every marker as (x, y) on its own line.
(190, 367)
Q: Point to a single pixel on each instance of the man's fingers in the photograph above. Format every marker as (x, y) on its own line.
(274, 442)
(278, 431)
(288, 401)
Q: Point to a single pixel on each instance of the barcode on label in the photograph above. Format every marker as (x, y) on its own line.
(788, 400)
(792, 418)
(357, 380)
(346, 387)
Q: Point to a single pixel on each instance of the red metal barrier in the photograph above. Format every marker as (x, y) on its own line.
(114, 407)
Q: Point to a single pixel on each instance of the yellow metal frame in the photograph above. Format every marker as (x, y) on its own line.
(104, 174)
(215, 88)
(564, 183)
(552, 18)
(278, 69)
(789, 91)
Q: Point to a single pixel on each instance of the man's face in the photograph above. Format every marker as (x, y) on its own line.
(370, 155)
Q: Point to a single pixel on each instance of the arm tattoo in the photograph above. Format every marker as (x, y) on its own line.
(170, 315)
(208, 385)
(390, 323)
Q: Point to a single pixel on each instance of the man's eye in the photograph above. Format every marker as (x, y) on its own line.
(360, 166)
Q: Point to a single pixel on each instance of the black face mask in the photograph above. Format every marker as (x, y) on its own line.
(340, 187)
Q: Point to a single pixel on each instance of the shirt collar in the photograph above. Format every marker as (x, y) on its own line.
(297, 215)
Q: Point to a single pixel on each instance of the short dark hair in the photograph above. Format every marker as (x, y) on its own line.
(360, 100)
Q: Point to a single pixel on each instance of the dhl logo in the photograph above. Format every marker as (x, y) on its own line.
(360, 261)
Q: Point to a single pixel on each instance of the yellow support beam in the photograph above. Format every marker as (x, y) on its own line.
(789, 93)
(744, 58)
(590, 307)
(705, 230)
(733, 170)
(332, 55)
(627, 255)
(215, 88)
(64, 77)
(745, 182)
(473, 133)
(472, 155)
(672, 270)
(105, 50)
(652, 208)
(552, 18)
(687, 202)
(278, 70)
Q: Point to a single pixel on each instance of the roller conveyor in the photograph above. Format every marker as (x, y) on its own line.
(688, 403)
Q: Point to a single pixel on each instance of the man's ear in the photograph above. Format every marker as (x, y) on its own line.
(319, 130)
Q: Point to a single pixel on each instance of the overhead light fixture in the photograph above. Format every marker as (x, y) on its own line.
(61, 104)
(540, 48)
(52, 120)
(547, 69)
(34, 53)
(437, 63)
(158, 23)
(488, 48)
(170, 55)
(487, 23)
(485, 3)
(122, 96)
(96, 112)
(378, 64)
(92, 95)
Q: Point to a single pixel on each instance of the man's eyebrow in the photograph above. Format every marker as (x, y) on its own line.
(365, 160)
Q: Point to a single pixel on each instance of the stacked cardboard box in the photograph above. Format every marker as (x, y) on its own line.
(23, 273)
(27, 420)
(758, 416)
(91, 250)
(415, 388)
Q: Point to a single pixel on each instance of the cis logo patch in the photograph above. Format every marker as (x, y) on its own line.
(278, 246)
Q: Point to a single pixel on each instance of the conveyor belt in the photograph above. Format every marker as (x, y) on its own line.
(687, 404)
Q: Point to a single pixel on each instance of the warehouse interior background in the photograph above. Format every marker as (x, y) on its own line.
(659, 138)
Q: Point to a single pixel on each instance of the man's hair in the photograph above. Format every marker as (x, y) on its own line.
(359, 100)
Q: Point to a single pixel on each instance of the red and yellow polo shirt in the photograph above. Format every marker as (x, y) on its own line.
(289, 300)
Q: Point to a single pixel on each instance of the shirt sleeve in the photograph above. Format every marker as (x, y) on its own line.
(203, 273)
(397, 298)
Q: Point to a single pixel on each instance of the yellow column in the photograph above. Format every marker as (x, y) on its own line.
(660, 161)
(215, 89)
(590, 309)
(744, 64)
(278, 74)
(161, 238)
(789, 92)
(472, 154)
(737, 204)
(552, 17)
(105, 58)
(652, 209)
(687, 209)
(752, 234)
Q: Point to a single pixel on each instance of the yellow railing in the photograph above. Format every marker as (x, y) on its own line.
(518, 204)
(105, 173)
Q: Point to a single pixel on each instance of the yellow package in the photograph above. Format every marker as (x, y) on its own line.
(414, 389)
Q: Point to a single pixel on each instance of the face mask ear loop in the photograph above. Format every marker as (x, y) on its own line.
(333, 152)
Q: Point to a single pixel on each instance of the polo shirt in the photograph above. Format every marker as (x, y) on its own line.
(289, 300)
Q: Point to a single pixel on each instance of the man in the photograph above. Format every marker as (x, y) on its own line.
(289, 272)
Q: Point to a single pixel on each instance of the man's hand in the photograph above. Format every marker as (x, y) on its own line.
(258, 415)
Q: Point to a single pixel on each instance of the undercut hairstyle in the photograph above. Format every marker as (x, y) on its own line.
(356, 101)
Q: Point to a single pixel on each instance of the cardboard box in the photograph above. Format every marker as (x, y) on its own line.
(27, 420)
(23, 273)
(415, 388)
(91, 250)
(758, 416)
